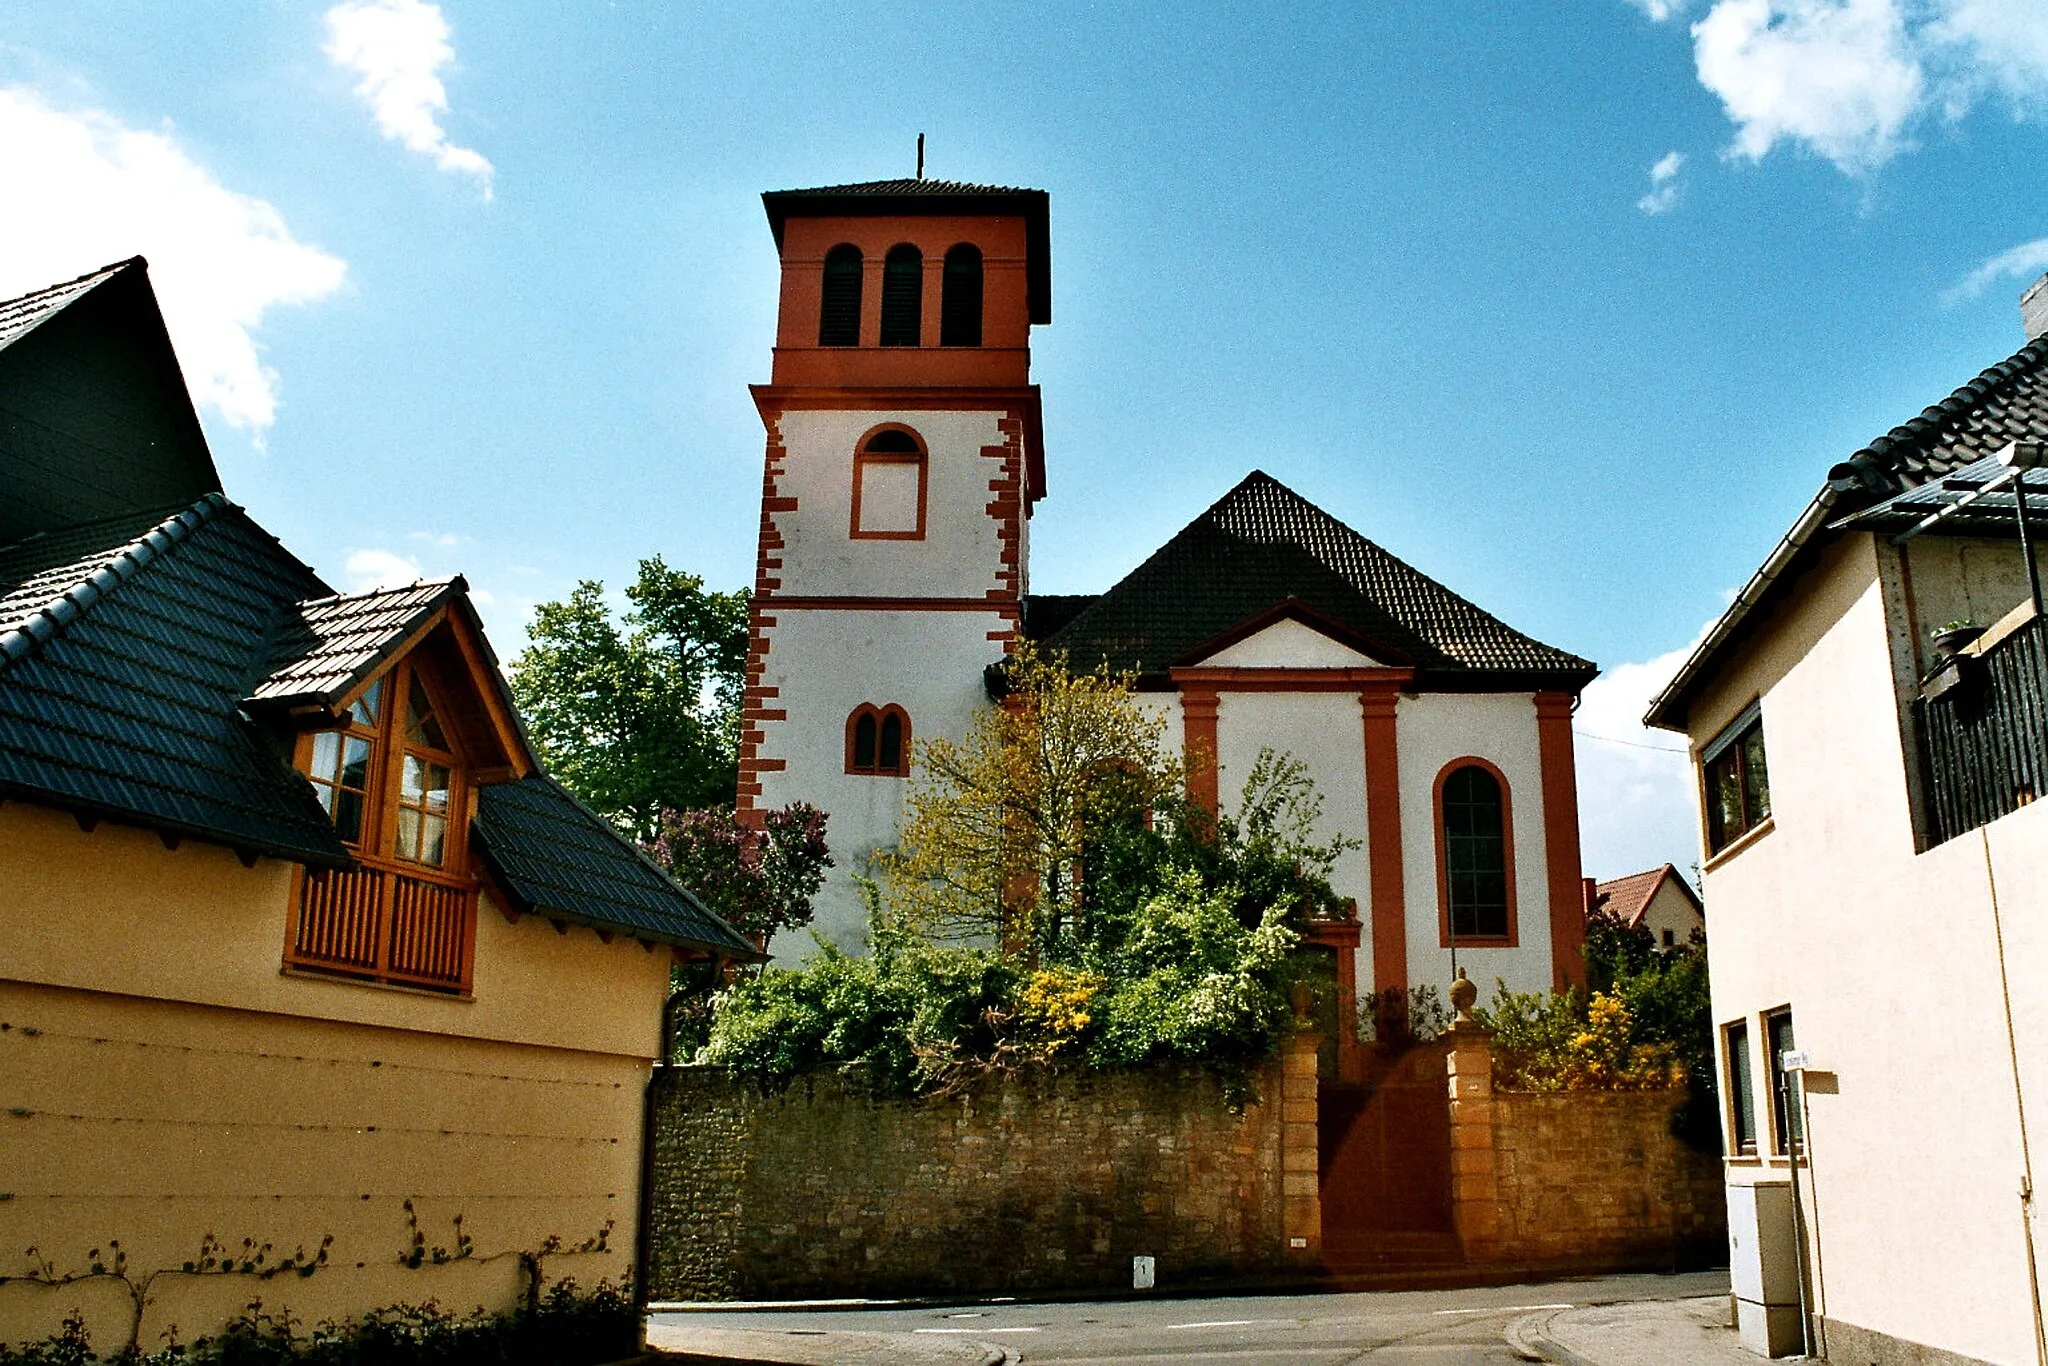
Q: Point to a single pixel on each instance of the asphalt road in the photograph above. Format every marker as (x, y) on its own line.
(1440, 1327)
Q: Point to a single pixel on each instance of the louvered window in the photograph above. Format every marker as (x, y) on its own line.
(902, 296)
(960, 300)
(839, 314)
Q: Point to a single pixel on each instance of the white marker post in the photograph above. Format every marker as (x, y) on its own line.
(1143, 1273)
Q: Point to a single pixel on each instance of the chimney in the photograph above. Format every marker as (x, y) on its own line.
(2034, 308)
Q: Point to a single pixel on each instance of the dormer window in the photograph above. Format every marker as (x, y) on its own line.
(903, 296)
(394, 782)
(960, 297)
(839, 308)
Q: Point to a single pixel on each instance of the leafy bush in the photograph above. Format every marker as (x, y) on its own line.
(562, 1328)
(759, 881)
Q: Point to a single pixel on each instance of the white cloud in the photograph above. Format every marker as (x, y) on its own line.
(397, 48)
(1996, 43)
(1849, 79)
(1837, 76)
(1660, 10)
(86, 189)
(2024, 261)
(367, 569)
(1638, 807)
(1663, 184)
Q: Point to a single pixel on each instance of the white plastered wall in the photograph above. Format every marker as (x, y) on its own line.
(1325, 732)
(960, 555)
(827, 662)
(1888, 960)
(1434, 729)
(1288, 645)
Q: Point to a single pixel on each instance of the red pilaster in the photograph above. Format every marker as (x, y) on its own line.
(1561, 839)
(1388, 914)
(1198, 708)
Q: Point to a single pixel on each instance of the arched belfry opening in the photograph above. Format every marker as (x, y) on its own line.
(839, 306)
(903, 296)
(960, 297)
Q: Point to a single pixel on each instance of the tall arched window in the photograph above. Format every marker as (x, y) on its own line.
(903, 296)
(1475, 855)
(960, 299)
(839, 311)
(878, 741)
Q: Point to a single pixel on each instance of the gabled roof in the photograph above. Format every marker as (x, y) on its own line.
(2006, 403)
(328, 646)
(554, 856)
(1626, 898)
(21, 316)
(931, 198)
(1262, 546)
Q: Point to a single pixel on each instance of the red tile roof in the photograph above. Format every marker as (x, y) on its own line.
(1626, 898)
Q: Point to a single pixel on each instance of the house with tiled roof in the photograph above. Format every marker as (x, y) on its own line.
(905, 456)
(1659, 900)
(1867, 723)
(298, 942)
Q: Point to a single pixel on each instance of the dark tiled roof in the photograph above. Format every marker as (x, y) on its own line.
(326, 647)
(558, 858)
(21, 316)
(938, 189)
(128, 646)
(2007, 403)
(1046, 613)
(119, 693)
(1263, 544)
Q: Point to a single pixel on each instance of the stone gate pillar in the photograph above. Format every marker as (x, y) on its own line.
(1475, 1182)
(1300, 1175)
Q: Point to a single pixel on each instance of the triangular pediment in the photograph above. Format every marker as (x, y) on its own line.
(1292, 635)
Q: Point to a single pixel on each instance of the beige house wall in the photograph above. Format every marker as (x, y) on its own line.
(163, 1081)
(1888, 959)
(1670, 909)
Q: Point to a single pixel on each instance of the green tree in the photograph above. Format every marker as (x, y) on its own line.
(640, 714)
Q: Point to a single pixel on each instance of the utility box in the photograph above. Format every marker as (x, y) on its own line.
(1763, 1268)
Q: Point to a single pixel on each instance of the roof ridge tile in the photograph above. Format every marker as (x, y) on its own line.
(124, 563)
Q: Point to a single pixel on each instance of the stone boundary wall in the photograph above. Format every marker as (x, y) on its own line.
(1029, 1183)
(1599, 1177)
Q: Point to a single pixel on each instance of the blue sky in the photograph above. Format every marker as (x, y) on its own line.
(1571, 305)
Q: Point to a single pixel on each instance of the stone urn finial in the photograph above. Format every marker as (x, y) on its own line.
(1302, 997)
(1463, 997)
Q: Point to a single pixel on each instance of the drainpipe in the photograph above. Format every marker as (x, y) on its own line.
(2019, 1101)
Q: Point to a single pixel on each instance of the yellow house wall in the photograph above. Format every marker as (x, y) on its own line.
(1888, 960)
(177, 1084)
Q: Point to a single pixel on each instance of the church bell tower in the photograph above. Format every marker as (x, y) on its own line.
(904, 456)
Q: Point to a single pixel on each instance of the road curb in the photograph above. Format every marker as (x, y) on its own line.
(1527, 1336)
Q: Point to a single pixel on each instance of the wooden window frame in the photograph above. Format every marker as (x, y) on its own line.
(1512, 939)
(397, 894)
(880, 715)
(863, 457)
(1733, 738)
(1738, 1064)
(1786, 1125)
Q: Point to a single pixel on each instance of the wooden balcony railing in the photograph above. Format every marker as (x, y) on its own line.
(1983, 726)
(383, 925)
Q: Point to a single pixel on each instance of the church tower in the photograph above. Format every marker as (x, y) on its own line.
(904, 457)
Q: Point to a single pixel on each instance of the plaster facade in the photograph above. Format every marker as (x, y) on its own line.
(176, 1084)
(1894, 962)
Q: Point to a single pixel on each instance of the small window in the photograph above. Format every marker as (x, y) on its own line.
(960, 298)
(343, 762)
(903, 297)
(1738, 797)
(889, 477)
(839, 310)
(1787, 1127)
(1473, 853)
(878, 741)
(1741, 1095)
(1670, 940)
